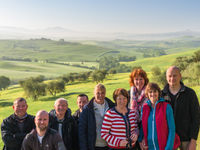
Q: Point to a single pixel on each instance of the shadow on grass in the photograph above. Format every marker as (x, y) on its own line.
(65, 95)
(112, 83)
(4, 104)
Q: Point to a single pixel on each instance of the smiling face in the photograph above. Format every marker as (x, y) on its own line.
(99, 95)
(20, 108)
(173, 77)
(81, 101)
(139, 82)
(121, 101)
(61, 107)
(42, 120)
(153, 95)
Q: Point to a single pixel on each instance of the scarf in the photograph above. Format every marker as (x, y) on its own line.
(137, 99)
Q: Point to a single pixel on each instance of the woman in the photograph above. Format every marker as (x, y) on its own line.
(119, 128)
(158, 127)
(138, 81)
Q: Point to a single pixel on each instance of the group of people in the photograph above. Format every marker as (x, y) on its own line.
(142, 118)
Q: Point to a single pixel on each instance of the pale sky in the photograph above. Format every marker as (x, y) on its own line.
(130, 16)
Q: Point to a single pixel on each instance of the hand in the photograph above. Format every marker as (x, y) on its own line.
(123, 143)
(134, 138)
(143, 146)
(192, 145)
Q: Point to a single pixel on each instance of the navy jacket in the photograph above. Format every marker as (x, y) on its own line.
(87, 126)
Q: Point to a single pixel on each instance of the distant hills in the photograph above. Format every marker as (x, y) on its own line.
(60, 32)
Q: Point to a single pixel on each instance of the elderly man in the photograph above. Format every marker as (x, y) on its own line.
(82, 100)
(91, 120)
(185, 106)
(62, 121)
(42, 137)
(16, 126)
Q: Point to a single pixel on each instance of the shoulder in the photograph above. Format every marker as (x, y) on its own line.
(110, 103)
(30, 135)
(9, 120)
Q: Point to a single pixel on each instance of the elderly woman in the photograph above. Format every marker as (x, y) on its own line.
(138, 81)
(119, 128)
(158, 127)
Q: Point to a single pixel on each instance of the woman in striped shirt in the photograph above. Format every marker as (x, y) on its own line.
(120, 128)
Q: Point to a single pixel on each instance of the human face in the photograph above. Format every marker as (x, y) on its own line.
(99, 95)
(139, 82)
(81, 101)
(173, 77)
(42, 121)
(61, 107)
(153, 96)
(121, 101)
(20, 108)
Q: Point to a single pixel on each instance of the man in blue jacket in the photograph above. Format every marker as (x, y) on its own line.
(91, 120)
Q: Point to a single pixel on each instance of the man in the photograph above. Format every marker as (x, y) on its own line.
(185, 106)
(62, 121)
(82, 100)
(42, 137)
(16, 126)
(91, 120)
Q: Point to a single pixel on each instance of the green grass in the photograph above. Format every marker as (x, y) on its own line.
(17, 70)
(163, 61)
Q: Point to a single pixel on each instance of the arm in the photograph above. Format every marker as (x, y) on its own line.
(195, 113)
(58, 142)
(105, 131)
(171, 128)
(25, 145)
(83, 130)
(9, 138)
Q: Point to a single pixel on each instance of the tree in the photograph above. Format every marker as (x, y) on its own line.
(158, 75)
(55, 87)
(33, 87)
(4, 82)
(108, 63)
(99, 75)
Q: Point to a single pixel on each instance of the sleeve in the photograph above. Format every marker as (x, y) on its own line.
(58, 142)
(74, 134)
(10, 139)
(171, 128)
(82, 130)
(195, 116)
(141, 133)
(25, 145)
(105, 131)
(135, 122)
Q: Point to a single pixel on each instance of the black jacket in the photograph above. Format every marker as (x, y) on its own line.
(50, 141)
(11, 134)
(87, 126)
(69, 134)
(186, 112)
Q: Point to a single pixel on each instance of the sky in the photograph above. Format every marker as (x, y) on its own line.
(128, 16)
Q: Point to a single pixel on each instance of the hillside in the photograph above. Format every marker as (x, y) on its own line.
(72, 90)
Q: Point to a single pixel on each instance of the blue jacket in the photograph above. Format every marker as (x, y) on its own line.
(152, 138)
(87, 126)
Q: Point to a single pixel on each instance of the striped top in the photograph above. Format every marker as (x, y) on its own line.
(115, 127)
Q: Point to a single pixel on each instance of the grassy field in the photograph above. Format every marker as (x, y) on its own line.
(17, 70)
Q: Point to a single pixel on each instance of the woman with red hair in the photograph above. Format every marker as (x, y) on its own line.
(138, 81)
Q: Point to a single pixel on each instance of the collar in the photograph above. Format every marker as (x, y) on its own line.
(166, 88)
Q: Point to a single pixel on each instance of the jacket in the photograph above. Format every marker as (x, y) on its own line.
(50, 141)
(158, 127)
(11, 134)
(69, 134)
(186, 112)
(87, 126)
